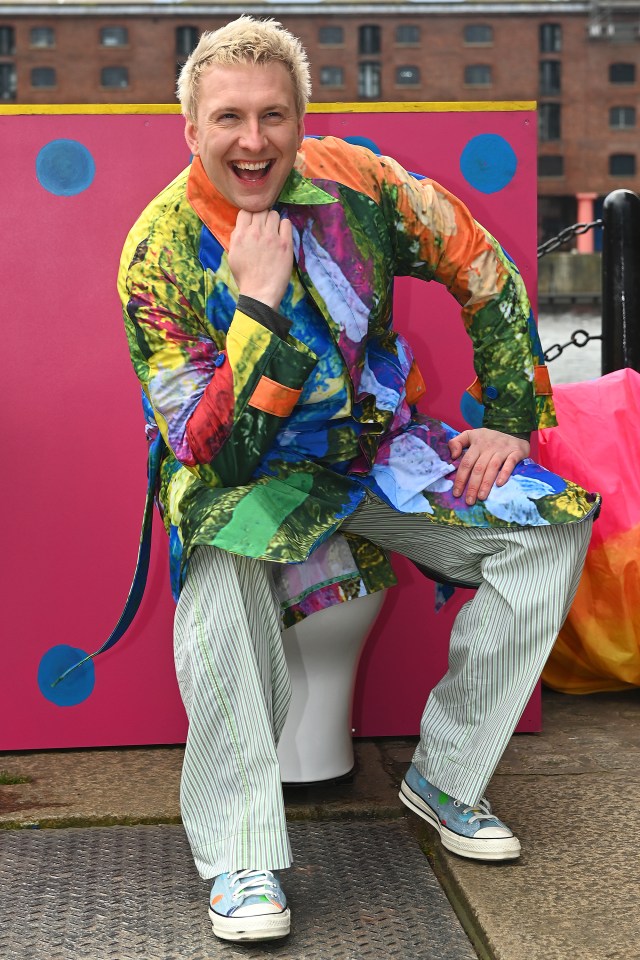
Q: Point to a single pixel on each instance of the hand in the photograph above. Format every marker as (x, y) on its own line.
(489, 458)
(261, 255)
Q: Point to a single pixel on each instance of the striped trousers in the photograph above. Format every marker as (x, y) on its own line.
(234, 681)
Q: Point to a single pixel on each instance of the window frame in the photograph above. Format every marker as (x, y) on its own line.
(477, 43)
(331, 84)
(556, 29)
(551, 85)
(43, 86)
(42, 46)
(548, 157)
(9, 31)
(119, 86)
(179, 30)
(478, 83)
(376, 31)
(407, 83)
(331, 43)
(621, 63)
(377, 72)
(623, 126)
(408, 43)
(116, 44)
(10, 69)
(546, 125)
(623, 173)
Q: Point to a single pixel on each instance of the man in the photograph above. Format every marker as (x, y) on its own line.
(257, 291)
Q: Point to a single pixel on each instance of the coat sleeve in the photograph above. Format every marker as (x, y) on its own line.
(218, 402)
(436, 238)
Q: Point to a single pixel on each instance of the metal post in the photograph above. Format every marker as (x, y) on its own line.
(621, 281)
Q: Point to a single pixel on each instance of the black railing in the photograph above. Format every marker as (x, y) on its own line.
(620, 282)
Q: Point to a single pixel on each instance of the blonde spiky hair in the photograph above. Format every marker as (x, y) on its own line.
(245, 40)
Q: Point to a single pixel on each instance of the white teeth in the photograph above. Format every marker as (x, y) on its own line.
(245, 165)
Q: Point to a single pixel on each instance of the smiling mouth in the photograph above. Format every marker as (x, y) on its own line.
(251, 171)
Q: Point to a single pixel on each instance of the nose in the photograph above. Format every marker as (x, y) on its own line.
(252, 138)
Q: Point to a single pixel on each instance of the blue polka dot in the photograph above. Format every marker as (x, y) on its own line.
(364, 142)
(472, 411)
(73, 689)
(65, 167)
(488, 162)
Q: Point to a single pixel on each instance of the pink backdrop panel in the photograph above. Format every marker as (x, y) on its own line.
(74, 477)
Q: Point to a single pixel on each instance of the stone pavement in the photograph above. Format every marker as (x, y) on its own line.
(570, 794)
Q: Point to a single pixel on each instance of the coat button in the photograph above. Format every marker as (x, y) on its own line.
(491, 393)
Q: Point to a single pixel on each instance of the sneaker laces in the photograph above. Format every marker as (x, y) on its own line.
(481, 811)
(252, 883)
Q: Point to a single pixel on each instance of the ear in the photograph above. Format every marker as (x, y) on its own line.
(300, 131)
(191, 136)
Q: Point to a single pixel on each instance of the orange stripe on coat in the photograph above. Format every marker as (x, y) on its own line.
(272, 397)
(415, 385)
(542, 381)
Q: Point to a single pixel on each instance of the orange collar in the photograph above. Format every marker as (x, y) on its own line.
(219, 215)
(214, 210)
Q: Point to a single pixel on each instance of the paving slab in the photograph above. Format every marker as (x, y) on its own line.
(142, 785)
(358, 891)
(570, 794)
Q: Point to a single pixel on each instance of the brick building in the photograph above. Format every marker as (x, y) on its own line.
(579, 60)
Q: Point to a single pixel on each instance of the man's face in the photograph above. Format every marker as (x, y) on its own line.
(247, 132)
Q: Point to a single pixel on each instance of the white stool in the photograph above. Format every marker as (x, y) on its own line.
(322, 653)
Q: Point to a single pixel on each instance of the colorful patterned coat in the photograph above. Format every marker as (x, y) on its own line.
(272, 439)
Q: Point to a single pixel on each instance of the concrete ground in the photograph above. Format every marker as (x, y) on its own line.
(569, 793)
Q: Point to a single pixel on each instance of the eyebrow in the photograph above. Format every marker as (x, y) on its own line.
(231, 109)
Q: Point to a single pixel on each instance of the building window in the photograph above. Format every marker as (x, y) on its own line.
(331, 77)
(549, 127)
(114, 37)
(622, 118)
(550, 38)
(369, 80)
(550, 166)
(7, 41)
(622, 165)
(475, 33)
(478, 75)
(43, 77)
(369, 39)
(186, 40)
(114, 78)
(622, 72)
(408, 76)
(8, 83)
(331, 36)
(408, 34)
(42, 37)
(549, 76)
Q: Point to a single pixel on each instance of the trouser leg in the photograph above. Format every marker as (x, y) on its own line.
(235, 686)
(500, 640)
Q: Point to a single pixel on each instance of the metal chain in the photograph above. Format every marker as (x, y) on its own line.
(565, 235)
(579, 338)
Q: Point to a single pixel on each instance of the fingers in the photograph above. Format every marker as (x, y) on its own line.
(261, 255)
(489, 458)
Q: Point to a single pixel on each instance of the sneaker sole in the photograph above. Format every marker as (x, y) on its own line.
(267, 926)
(484, 848)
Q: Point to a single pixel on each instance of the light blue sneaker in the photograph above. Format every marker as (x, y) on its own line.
(473, 832)
(249, 905)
